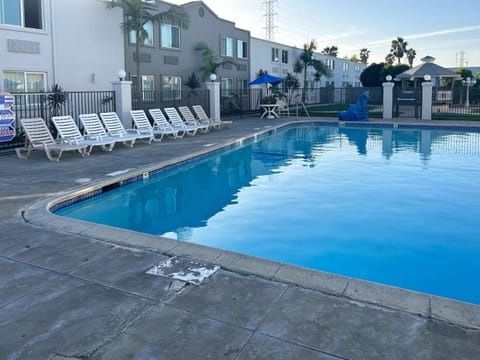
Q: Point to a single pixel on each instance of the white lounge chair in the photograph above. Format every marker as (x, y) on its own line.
(160, 121)
(114, 127)
(177, 122)
(67, 129)
(93, 127)
(216, 123)
(282, 108)
(143, 124)
(39, 137)
(203, 125)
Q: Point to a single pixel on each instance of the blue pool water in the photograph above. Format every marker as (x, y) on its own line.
(399, 207)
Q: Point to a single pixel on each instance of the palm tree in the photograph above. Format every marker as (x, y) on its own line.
(211, 62)
(399, 48)
(291, 84)
(411, 53)
(330, 50)
(307, 59)
(390, 59)
(138, 13)
(364, 54)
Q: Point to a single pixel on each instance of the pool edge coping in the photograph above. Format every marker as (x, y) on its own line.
(387, 297)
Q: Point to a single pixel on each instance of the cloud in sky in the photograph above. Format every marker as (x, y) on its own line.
(430, 34)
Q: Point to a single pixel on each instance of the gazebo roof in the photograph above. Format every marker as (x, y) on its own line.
(427, 68)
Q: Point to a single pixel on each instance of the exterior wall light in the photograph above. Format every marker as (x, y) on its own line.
(121, 74)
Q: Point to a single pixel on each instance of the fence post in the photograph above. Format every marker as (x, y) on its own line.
(123, 101)
(214, 95)
(427, 88)
(388, 100)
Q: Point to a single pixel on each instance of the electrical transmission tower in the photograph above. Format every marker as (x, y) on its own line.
(269, 17)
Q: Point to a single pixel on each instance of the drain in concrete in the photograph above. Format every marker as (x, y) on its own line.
(184, 269)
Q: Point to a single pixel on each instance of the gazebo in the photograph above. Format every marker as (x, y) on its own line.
(429, 70)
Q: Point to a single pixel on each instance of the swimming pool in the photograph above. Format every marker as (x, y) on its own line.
(399, 207)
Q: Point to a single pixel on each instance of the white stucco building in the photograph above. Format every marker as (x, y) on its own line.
(278, 59)
(69, 42)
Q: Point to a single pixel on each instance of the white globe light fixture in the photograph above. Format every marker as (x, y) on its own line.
(121, 74)
(388, 78)
(467, 83)
(427, 77)
(213, 77)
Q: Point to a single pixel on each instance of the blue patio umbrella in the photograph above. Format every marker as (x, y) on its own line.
(266, 79)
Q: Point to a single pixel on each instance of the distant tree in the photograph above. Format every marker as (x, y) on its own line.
(411, 53)
(464, 73)
(306, 60)
(138, 13)
(392, 70)
(371, 75)
(398, 48)
(354, 58)
(364, 54)
(390, 59)
(330, 50)
(210, 61)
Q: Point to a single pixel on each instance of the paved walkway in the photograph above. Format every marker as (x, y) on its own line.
(70, 290)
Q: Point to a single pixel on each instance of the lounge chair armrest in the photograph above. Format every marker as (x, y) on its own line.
(93, 137)
(190, 122)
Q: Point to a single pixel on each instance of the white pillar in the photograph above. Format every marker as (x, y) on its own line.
(387, 100)
(427, 88)
(123, 101)
(214, 91)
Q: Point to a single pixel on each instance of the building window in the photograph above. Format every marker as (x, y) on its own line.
(330, 63)
(25, 13)
(148, 27)
(19, 81)
(242, 49)
(275, 53)
(172, 87)
(147, 86)
(170, 36)
(226, 86)
(284, 56)
(226, 46)
(345, 66)
(243, 86)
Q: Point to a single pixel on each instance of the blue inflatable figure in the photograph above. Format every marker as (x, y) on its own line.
(358, 112)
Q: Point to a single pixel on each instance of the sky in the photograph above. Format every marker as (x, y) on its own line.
(439, 28)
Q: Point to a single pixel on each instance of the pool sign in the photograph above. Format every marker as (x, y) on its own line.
(7, 117)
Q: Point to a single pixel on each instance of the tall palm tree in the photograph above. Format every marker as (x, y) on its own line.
(399, 48)
(210, 61)
(364, 54)
(138, 13)
(411, 53)
(307, 59)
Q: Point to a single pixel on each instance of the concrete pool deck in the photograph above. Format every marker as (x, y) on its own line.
(75, 290)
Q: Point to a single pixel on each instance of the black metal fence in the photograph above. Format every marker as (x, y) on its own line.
(48, 104)
(160, 99)
(330, 101)
(459, 103)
